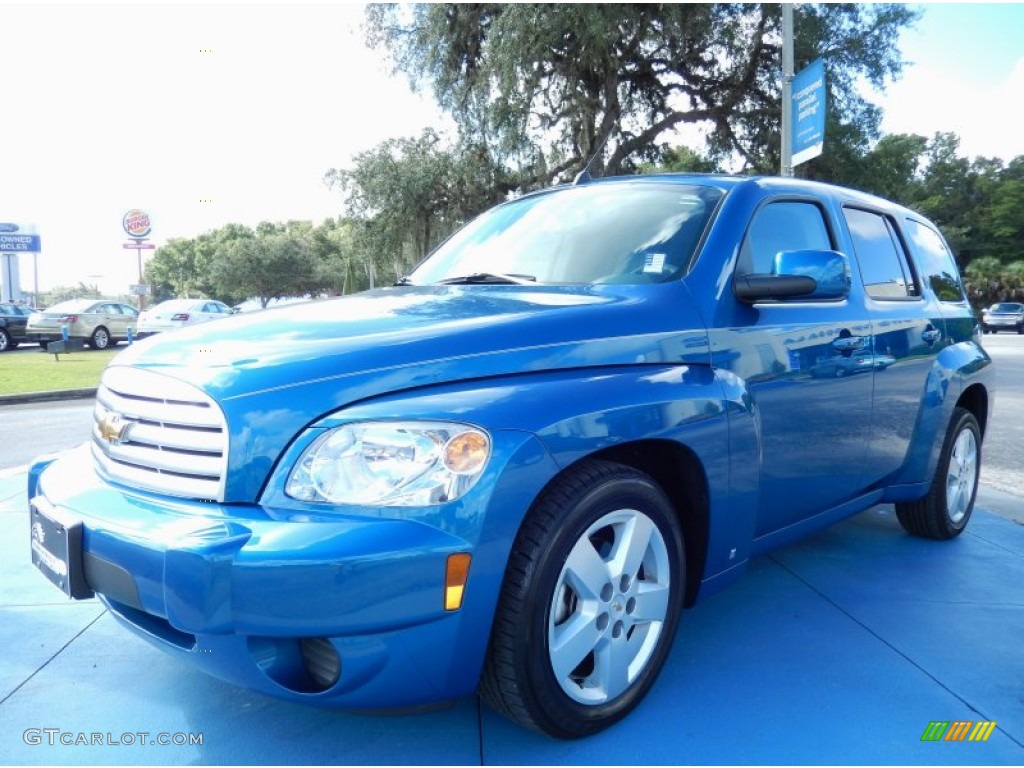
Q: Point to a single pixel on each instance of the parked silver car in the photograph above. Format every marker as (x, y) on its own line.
(1004, 316)
(178, 313)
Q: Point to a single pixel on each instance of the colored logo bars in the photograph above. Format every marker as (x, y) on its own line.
(958, 730)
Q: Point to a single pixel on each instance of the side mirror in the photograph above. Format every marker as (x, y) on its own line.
(807, 274)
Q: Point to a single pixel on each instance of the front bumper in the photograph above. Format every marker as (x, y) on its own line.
(151, 328)
(1003, 322)
(246, 592)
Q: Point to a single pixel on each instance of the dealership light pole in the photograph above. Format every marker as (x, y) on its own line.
(787, 90)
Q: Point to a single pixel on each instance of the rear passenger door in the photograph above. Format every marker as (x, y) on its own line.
(908, 331)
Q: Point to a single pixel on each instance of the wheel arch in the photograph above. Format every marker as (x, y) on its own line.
(680, 474)
(976, 400)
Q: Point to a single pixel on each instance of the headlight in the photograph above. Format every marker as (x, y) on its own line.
(402, 463)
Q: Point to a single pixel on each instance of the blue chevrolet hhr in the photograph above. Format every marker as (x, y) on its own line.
(511, 472)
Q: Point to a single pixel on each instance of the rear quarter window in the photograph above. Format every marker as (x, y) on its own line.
(935, 261)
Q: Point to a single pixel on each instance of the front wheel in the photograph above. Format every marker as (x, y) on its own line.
(589, 605)
(6, 342)
(944, 512)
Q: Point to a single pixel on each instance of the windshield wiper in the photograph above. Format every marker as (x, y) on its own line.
(488, 277)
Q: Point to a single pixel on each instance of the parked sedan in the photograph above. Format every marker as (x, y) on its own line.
(100, 323)
(178, 313)
(13, 318)
(1004, 316)
(862, 361)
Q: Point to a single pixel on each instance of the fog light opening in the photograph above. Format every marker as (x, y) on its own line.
(321, 660)
(456, 574)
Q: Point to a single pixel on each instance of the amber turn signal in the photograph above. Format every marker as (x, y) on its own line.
(467, 452)
(455, 580)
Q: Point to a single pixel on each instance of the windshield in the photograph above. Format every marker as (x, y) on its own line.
(600, 233)
(173, 304)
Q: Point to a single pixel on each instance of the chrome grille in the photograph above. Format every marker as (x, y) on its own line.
(157, 433)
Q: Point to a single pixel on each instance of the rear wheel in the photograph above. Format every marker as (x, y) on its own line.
(6, 342)
(590, 603)
(100, 338)
(945, 511)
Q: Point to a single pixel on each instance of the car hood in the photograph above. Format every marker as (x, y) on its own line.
(277, 371)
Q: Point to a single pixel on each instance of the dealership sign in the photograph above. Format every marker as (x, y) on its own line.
(809, 112)
(136, 223)
(18, 238)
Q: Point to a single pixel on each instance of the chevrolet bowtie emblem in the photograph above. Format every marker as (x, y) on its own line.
(114, 429)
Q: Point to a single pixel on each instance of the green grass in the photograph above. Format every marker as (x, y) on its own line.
(34, 371)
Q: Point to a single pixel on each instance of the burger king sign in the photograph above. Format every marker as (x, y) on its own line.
(136, 223)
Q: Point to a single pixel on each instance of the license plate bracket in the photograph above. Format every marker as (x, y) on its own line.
(56, 543)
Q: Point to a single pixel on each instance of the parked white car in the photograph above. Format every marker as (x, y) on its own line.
(178, 313)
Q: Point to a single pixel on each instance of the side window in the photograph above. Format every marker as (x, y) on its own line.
(782, 226)
(111, 309)
(935, 262)
(883, 264)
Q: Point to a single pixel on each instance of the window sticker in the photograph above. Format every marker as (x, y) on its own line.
(654, 262)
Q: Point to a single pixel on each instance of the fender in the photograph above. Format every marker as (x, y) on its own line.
(956, 368)
(579, 413)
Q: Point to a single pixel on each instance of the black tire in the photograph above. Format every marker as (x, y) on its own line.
(100, 338)
(6, 342)
(594, 510)
(1020, 328)
(945, 511)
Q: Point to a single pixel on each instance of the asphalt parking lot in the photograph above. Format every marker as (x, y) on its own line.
(842, 649)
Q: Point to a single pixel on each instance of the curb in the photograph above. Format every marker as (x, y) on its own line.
(1001, 503)
(20, 398)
